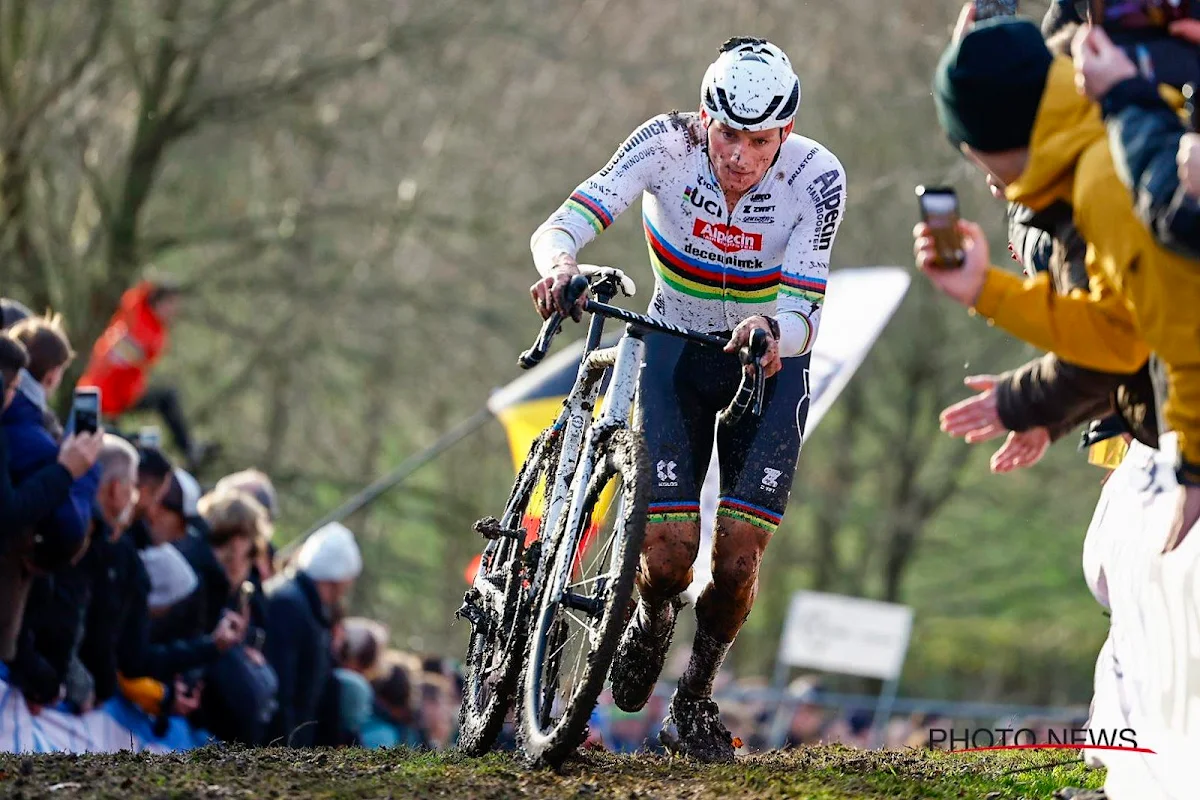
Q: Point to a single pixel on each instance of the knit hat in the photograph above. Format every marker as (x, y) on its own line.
(171, 576)
(989, 84)
(330, 554)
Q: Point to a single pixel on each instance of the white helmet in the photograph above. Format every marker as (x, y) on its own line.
(751, 86)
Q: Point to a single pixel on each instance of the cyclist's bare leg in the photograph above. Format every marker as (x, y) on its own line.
(693, 722)
(725, 603)
(668, 552)
(666, 570)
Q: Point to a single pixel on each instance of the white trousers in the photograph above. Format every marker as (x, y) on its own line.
(1147, 678)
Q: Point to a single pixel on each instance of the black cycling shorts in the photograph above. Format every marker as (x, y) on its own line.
(681, 389)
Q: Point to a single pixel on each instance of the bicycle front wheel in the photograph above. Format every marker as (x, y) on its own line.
(582, 600)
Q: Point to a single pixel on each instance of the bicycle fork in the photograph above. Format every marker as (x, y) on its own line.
(615, 413)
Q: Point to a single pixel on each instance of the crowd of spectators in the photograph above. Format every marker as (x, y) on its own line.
(126, 585)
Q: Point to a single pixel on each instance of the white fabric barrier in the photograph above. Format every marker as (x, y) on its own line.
(1148, 673)
(114, 726)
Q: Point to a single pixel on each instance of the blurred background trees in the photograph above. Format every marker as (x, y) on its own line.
(348, 191)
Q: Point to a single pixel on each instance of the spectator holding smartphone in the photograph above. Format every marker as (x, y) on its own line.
(1016, 111)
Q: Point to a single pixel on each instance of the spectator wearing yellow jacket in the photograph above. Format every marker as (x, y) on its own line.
(1016, 112)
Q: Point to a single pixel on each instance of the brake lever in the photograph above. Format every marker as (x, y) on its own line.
(534, 355)
(752, 355)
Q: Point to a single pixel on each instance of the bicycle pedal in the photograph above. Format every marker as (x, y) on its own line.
(489, 528)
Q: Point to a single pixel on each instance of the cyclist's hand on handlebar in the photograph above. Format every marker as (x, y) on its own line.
(547, 293)
(771, 362)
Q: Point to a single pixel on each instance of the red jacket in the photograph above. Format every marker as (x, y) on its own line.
(125, 352)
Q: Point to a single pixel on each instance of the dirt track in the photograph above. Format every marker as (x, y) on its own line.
(821, 773)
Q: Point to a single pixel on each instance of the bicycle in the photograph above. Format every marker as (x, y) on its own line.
(524, 599)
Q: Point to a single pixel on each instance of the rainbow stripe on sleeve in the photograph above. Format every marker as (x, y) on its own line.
(590, 209)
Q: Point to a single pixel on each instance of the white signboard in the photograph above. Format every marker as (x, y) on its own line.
(847, 635)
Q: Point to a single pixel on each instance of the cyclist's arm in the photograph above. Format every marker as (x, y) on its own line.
(597, 201)
(806, 261)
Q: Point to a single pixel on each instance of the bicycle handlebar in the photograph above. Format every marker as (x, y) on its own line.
(534, 355)
(749, 395)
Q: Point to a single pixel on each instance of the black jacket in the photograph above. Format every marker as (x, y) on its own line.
(51, 633)
(199, 612)
(298, 648)
(1144, 134)
(117, 635)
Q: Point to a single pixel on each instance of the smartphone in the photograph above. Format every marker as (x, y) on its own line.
(85, 410)
(244, 595)
(939, 210)
(1096, 12)
(986, 9)
(150, 436)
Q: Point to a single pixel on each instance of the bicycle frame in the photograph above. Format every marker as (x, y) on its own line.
(572, 423)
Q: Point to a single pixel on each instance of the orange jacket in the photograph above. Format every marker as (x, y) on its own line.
(125, 352)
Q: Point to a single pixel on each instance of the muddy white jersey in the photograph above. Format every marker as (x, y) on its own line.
(713, 266)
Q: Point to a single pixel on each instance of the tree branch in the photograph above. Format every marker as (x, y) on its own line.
(16, 130)
(254, 227)
(255, 98)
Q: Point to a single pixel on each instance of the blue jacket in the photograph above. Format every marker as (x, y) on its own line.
(1144, 134)
(31, 448)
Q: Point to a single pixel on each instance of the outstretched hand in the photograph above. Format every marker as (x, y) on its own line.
(1023, 449)
(975, 419)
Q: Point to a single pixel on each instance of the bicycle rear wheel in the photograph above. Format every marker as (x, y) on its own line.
(581, 602)
(499, 620)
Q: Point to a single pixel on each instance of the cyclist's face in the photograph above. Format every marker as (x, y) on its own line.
(741, 158)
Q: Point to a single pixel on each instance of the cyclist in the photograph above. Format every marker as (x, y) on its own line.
(740, 215)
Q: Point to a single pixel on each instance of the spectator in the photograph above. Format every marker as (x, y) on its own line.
(239, 698)
(12, 312)
(258, 484)
(991, 88)
(33, 445)
(45, 490)
(364, 642)
(298, 646)
(50, 354)
(113, 566)
(437, 709)
(1146, 136)
(1047, 398)
(128, 350)
(356, 699)
(392, 721)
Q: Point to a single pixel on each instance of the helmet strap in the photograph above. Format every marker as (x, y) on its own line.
(787, 131)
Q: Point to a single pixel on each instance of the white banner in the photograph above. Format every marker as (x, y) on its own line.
(848, 635)
(859, 303)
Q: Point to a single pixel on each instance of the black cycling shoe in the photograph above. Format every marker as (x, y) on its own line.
(693, 728)
(639, 661)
